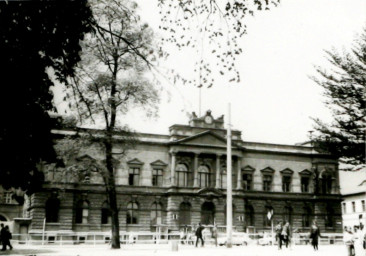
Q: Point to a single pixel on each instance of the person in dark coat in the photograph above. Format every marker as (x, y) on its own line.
(5, 238)
(314, 235)
(199, 234)
(1, 231)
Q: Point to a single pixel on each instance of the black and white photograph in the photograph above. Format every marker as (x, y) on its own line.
(183, 127)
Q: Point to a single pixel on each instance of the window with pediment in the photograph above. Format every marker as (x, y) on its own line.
(286, 179)
(305, 178)
(203, 176)
(247, 178)
(134, 170)
(267, 178)
(158, 168)
(182, 175)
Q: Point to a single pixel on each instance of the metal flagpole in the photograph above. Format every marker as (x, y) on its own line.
(44, 229)
(199, 102)
(229, 205)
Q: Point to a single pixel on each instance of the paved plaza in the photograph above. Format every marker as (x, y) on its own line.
(162, 250)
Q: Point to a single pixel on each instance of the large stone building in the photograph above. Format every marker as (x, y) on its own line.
(179, 179)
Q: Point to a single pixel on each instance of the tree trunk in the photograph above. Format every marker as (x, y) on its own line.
(111, 191)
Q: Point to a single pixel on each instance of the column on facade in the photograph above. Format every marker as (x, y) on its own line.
(218, 183)
(239, 185)
(195, 170)
(172, 168)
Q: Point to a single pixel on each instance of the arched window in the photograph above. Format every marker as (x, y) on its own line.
(329, 213)
(182, 175)
(106, 214)
(203, 176)
(82, 212)
(185, 214)
(249, 215)
(306, 217)
(156, 214)
(207, 213)
(52, 209)
(132, 213)
(287, 214)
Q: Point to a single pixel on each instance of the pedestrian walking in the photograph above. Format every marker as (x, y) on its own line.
(278, 230)
(286, 236)
(214, 234)
(314, 235)
(5, 238)
(199, 234)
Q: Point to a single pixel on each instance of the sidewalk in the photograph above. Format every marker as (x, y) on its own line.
(165, 250)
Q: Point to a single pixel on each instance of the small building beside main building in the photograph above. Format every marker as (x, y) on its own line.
(167, 182)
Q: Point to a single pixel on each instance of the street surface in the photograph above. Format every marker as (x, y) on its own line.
(166, 249)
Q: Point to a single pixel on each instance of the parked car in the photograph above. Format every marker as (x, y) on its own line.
(237, 239)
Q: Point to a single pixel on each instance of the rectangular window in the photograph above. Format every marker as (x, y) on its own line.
(247, 181)
(344, 209)
(157, 178)
(267, 182)
(8, 197)
(286, 183)
(305, 184)
(353, 207)
(133, 176)
(363, 206)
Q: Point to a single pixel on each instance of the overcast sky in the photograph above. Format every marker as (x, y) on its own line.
(275, 99)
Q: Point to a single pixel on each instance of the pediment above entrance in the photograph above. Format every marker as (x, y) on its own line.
(210, 192)
(207, 139)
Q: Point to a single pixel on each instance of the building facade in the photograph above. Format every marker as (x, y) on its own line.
(177, 180)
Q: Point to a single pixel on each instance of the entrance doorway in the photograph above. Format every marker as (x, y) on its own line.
(207, 213)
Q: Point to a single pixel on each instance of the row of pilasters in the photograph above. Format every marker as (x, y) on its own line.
(195, 171)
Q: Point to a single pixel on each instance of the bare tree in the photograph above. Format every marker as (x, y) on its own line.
(112, 79)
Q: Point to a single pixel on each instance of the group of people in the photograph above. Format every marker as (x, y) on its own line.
(5, 237)
(283, 235)
(355, 240)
